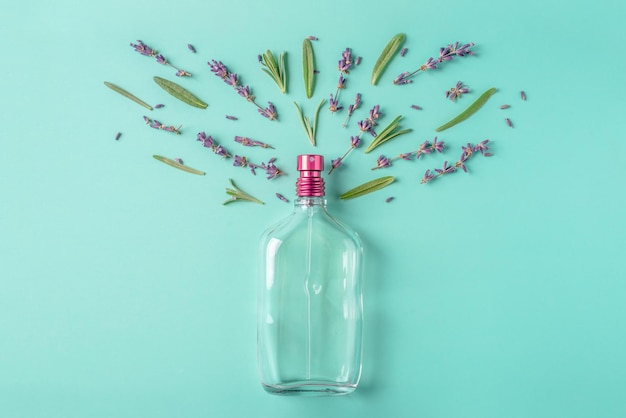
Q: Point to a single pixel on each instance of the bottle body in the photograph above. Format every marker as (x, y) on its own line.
(310, 304)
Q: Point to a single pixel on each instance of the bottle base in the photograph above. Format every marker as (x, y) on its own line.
(309, 388)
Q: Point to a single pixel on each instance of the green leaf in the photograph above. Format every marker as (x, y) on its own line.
(391, 131)
(309, 128)
(127, 95)
(237, 194)
(275, 69)
(385, 57)
(308, 67)
(178, 165)
(180, 92)
(369, 187)
(473, 108)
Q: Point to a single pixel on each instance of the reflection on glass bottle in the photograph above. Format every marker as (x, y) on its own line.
(309, 297)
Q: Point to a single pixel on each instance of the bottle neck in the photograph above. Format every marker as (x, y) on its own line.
(308, 201)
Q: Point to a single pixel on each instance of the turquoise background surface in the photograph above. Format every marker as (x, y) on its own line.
(128, 290)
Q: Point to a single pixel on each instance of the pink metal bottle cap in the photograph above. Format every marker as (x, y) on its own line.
(310, 182)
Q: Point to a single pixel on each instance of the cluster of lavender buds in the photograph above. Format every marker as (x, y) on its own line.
(343, 66)
(352, 108)
(240, 161)
(144, 49)
(468, 151)
(445, 54)
(209, 142)
(158, 125)
(457, 91)
(232, 79)
(425, 148)
(365, 125)
(248, 142)
(270, 169)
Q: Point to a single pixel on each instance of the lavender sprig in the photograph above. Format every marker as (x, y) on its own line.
(237, 194)
(445, 54)
(153, 123)
(457, 91)
(209, 142)
(145, 50)
(232, 79)
(343, 66)
(425, 148)
(270, 168)
(365, 125)
(467, 152)
(249, 142)
(352, 108)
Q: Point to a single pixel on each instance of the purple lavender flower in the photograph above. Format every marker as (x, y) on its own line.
(144, 49)
(428, 176)
(382, 162)
(342, 82)
(244, 91)
(446, 53)
(218, 68)
(271, 170)
(281, 197)
(456, 91)
(345, 62)
(240, 161)
(158, 125)
(352, 108)
(269, 112)
(408, 156)
(336, 163)
(191, 48)
(334, 105)
(482, 147)
(355, 141)
(219, 150)
(437, 146)
(209, 142)
(446, 169)
(248, 142)
(365, 125)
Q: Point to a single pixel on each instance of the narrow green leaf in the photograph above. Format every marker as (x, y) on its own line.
(178, 165)
(385, 57)
(275, 69)
(238, 194)
(369, 187)
(309, 128)
(315, 117)
(127, 95)
(473, 108)
(180, 92)
(387, 134)
(308, 67)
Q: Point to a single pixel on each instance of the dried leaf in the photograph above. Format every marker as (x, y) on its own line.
(178, 165)
(127, 95)
(308, 67)
(473, 108)
(180, 92)
(385, 57)
(369, 187)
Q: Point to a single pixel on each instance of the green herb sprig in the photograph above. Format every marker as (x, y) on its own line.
(368, 187)
(391, 131)
(308, 67)
(310, 128)
(386, 55)
(127, 94)
(276, 69)
(178, 165)
(473, 108)
(237, 194)
(180, 92)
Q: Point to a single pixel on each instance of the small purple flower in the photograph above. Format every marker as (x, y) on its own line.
(240, 161)
(191, 48)
(346, 61)
(182, 73)
(456, 91)
(312, 38)
(365, 125)
(336, 163)
(158, 106)
(446, 169)
(382, 162)
(334, 105)
(402, 78)
(161, 59)
(179, 161)
(271, 170)
(218, 68)
(355, 141)
(428, 176)
(357, 61)
(143, 49)
(269, 112)
(219, 150)
(481, 147)
(342, 82)
(374, 114)
(231, 79)
(403, 52)
(407, 156)
(281, 197)
(230, 117)
(437, 146)
(244, 91)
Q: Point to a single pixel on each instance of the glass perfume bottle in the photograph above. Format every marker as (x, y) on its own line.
(309, 297)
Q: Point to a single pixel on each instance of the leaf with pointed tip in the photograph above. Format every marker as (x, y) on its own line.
(127, 94)
(473, 108)
(180, 92)
(308, 67)
(178, 165)
(368, 187)
(386, 55)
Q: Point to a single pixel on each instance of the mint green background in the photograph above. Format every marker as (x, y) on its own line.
(128, 290)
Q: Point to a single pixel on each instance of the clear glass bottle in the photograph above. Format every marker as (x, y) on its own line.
(309, 297)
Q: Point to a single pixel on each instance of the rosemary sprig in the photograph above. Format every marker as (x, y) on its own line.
(127, 94)
(473, 108)
(276, 69)
(308, 67)
(391, 131)
(179, 92)
(237, 194)
(386, 55)
(178, 165)
(368, 187)
(310, 128)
